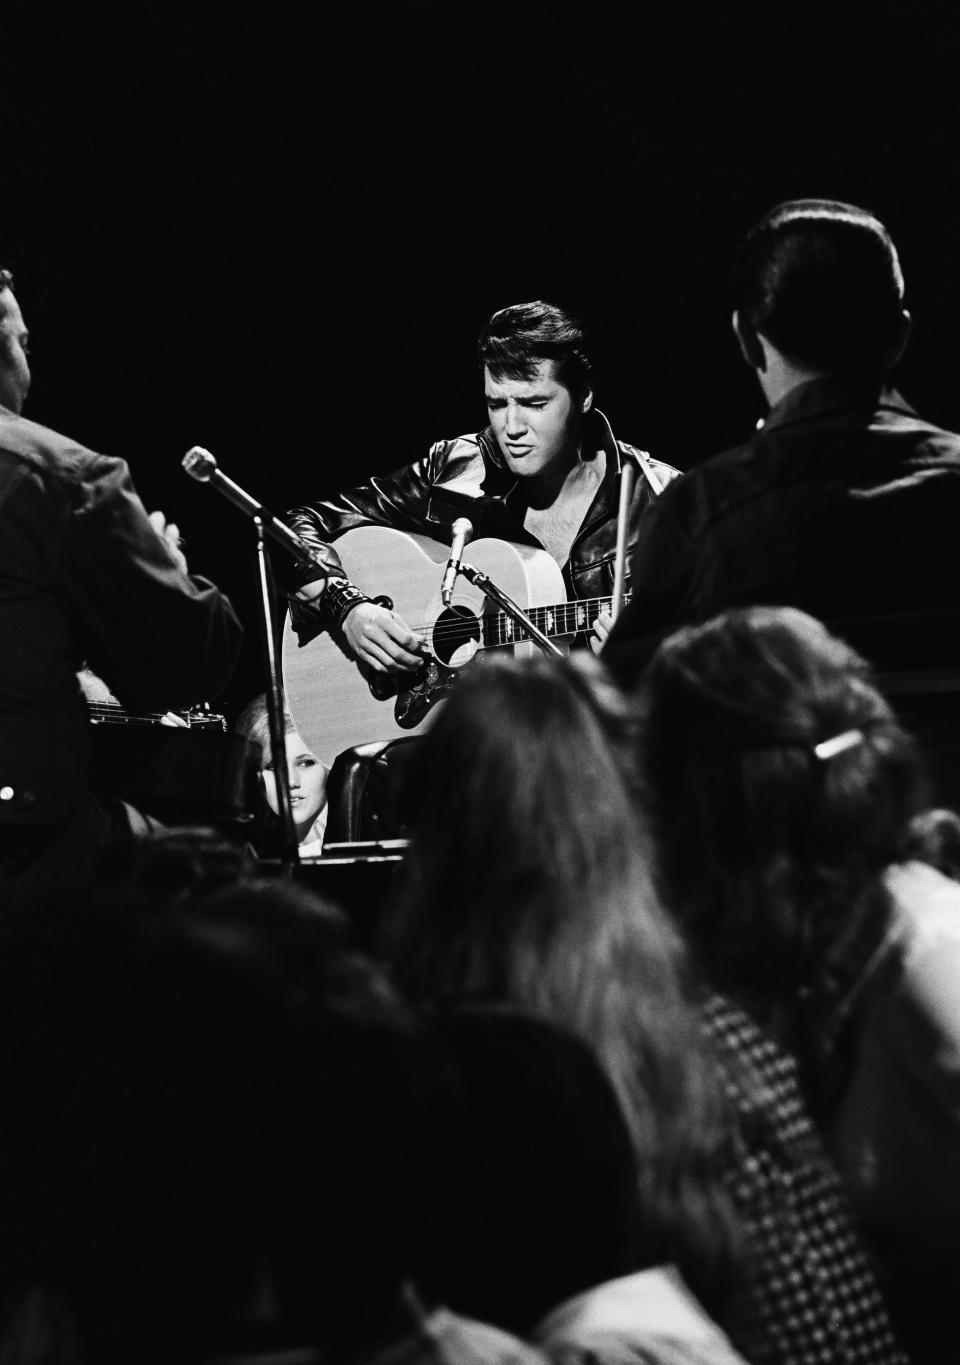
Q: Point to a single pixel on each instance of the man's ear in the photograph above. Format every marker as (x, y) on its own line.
(749, 343)
(586, 402)
(897, 347)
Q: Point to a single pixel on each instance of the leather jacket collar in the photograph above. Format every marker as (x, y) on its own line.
(834, 393)
(596, 431)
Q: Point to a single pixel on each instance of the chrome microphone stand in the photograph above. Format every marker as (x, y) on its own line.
(202, 466)
(489, 589)
(276, 710)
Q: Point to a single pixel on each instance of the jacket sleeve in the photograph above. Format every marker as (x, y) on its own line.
(399, 500)
(159, 637)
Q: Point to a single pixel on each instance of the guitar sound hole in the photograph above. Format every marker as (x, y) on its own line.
(456, 636)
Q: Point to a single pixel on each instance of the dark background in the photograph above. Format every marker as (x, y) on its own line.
(276, 231)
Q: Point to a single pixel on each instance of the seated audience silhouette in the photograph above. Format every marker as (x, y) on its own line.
(224, 1134)
(797, 849)
(542, 1232)
(530, 879)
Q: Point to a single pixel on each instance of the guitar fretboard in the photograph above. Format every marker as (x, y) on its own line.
(112, 713)
(564, 618)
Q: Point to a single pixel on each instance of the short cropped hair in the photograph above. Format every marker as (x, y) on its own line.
(821, 280)
(516, 339)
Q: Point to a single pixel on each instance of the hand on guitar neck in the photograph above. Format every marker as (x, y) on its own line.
(102, 701)
(601, 628)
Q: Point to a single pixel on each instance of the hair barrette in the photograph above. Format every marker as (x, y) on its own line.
(838, 744)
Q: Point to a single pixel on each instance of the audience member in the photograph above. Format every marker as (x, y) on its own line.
(306, 773)
(543, 1234)
(176, 863)
(224, 1133)
(85, 576)
(796, 849)
(844, 501)
(530, 880)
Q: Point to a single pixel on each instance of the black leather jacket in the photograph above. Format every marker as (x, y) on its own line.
(467, 476)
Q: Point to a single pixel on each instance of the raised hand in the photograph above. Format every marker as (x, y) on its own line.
(169, 532)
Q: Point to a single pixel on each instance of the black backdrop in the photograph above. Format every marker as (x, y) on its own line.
(275, 231)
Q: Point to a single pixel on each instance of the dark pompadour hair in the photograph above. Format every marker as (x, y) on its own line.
(516, 339)
(821, 280)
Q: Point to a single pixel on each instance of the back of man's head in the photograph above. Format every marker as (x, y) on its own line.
(515, 340)
(821, 281)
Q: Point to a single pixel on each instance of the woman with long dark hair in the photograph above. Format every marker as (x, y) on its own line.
(529, 879)
(798, 852)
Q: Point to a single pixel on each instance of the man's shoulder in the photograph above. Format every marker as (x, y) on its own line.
(688, 495)
(663, 473)
(880, 452)
(471, 445)
(929, 442)
(468, 445)
(462, 462)
(51, 454)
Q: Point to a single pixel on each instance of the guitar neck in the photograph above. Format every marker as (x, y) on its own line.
(562, 619)
(112, 713)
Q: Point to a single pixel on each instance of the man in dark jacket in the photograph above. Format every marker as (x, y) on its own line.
(86, 577)
(546, 472)
(845, 503)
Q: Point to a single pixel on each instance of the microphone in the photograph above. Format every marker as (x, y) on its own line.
(462, 535)
(203, 467)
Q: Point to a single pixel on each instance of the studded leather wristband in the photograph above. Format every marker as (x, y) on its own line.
(340, 596)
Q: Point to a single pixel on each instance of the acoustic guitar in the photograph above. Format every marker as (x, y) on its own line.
(335, 707)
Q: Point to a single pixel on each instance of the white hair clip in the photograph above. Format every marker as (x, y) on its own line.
(838, 744)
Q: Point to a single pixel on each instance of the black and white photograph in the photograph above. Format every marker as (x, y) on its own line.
(479, 683)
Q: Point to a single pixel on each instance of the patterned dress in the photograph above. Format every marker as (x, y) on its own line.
(813, 1298)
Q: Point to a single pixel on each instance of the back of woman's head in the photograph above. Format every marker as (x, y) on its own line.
(780, 780)
(529, 879)
(526, 834)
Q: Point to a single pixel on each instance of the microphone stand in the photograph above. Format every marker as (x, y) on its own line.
(489, 589)
(276, 710)
(202, 466)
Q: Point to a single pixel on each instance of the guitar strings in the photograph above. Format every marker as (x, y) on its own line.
(461, 626)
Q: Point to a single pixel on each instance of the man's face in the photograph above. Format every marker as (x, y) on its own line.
(537, 422)
(14, 368)
(308, 784)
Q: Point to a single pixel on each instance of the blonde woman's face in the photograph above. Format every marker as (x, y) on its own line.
(308, 784)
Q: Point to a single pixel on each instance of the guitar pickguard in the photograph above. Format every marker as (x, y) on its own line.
(433, 683)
